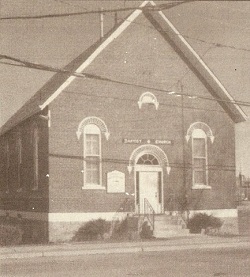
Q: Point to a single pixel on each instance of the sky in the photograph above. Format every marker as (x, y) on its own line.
(218, 30)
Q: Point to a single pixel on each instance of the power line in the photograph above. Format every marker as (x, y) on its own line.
(216, 44)
(133, 100)
(102, 78)
(151, 8)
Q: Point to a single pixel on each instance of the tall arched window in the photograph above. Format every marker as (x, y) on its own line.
(92, 128)
(200, 132)
(199, 156)
(92, 156)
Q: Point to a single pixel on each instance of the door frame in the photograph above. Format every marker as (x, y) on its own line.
(148, 168)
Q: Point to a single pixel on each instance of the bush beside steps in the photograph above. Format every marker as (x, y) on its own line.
(203, 221)
(100, 229)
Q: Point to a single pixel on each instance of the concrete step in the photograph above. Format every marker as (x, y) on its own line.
(169, 226)
(171, 233)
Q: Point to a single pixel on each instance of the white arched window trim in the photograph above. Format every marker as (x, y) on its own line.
(93, 120)
(148, 98)
(200, 125)
(149, 149)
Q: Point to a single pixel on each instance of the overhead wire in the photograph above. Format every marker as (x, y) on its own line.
(98, 96)
(177, 165)
(37, 66)
(152, 8)
(160, 7)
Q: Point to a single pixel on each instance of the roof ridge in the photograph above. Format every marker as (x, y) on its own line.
(59, 81)
(60, 77)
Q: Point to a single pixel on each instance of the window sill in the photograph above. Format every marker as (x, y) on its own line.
(96, 187)
(201, 186)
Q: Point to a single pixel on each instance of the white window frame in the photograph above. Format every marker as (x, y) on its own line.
(35, 158)
(95, 130)
(200, 134)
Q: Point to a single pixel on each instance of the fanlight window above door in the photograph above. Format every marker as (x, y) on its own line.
(147, 159)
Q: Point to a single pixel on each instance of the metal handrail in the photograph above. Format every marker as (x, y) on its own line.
(149, 213)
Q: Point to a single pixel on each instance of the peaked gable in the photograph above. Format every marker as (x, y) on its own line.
(75, 69)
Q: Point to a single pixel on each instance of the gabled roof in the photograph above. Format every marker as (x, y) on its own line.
(62, 79)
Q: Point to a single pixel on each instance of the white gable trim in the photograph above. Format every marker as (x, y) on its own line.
(117, 32)
(177, 33)
(91, 58)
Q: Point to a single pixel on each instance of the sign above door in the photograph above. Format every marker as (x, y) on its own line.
(148, 141)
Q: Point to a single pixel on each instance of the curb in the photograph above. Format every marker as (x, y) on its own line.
(125, 250)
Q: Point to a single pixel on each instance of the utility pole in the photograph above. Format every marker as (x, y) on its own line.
(101, 24)
(184, 197)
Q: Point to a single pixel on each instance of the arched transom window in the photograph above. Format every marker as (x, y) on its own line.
(147, 159)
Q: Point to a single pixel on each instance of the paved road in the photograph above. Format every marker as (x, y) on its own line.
(226, 262)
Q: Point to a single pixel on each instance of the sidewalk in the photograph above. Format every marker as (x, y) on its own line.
(88, 248)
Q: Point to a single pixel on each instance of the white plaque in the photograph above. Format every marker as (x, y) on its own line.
(115, 182)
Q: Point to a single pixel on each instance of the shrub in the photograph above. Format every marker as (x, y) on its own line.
(120, 230)
(146, 232)
(201, 221)
(10, 234)
(92, 230)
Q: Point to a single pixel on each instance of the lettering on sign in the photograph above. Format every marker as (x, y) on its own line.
(132, 141)
(115, 182)
(148, 141)
(163, 141)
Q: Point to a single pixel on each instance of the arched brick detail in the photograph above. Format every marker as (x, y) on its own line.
(200, 125)
(148, 98)
(93, 120)
(149, 149)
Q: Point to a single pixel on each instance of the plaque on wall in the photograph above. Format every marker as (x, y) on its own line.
(115, 182)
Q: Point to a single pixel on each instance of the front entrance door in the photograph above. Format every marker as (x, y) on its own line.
(148, 189)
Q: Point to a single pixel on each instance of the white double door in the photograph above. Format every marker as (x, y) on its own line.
(150, 188)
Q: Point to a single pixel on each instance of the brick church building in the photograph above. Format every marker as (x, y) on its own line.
(138, 115)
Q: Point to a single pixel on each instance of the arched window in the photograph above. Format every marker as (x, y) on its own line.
(35, 157)
(148, 155)
(199, 153)
(147, 159)
(199, 132)
(92, 157)
(92, 128)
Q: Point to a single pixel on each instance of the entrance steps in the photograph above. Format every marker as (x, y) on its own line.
(169, 226)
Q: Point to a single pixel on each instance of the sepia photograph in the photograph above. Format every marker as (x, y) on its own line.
(124, 138)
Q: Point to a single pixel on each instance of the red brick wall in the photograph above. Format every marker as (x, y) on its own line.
(141, 60)
(126, 120)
